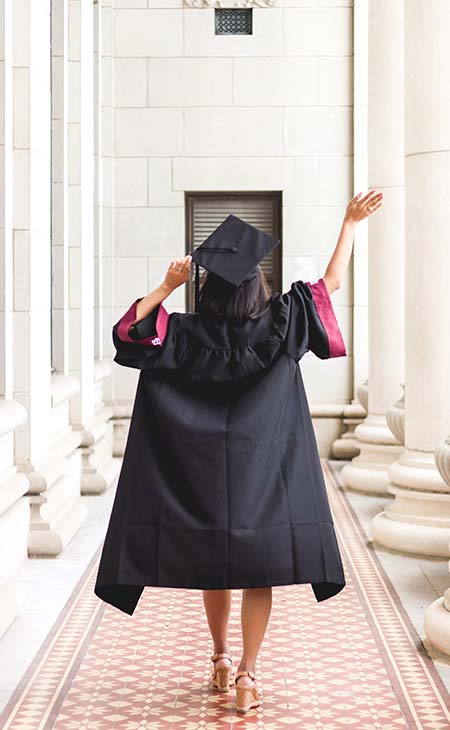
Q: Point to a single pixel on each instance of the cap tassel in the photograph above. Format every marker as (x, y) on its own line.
(197, 287)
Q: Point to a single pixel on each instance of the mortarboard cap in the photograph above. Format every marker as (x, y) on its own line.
(232, 252)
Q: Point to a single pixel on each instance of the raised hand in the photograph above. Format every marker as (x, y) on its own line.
(360, 208)
(178, 272)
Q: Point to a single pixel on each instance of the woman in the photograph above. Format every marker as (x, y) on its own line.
(221, 485)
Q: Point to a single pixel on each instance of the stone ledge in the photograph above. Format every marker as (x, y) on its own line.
(12, 415)
(63, 388)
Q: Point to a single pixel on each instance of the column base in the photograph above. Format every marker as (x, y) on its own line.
(121, 428)
(346, 447)
(368, 472)
(57, 513)
(417, 521)
(411, 539)
(99, 467)
(437, 624)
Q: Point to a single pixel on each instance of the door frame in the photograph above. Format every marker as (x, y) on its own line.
(274, 195)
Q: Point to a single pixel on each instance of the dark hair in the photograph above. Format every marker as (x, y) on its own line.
(220, 300)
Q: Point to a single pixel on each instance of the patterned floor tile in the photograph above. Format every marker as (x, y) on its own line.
(353, 662)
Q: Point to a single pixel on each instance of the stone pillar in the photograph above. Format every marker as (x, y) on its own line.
(368, 472)
(347, 446)
(14, 506)
(88, 414)
(437, 615)
(44, 452)
(418, 520)
(103, 236)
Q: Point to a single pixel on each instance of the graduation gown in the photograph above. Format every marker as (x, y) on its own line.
(221, 484)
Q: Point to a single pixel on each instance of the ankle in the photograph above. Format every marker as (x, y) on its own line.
(246, 667)
(222, 649)
(247, 664)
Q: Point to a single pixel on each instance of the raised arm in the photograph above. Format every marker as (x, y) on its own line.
(177, 274)
(357, 209)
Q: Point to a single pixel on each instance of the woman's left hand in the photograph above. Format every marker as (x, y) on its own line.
(360, 208)
(178, 272)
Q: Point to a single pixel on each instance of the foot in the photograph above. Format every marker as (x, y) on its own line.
(247, 693)
(223, 673)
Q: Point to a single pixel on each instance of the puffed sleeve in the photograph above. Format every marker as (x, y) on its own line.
(312, 322)
(139, 344)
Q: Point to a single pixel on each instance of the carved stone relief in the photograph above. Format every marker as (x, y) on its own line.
(230, 3)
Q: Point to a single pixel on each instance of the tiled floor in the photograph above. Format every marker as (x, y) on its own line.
(99, 671)
(418, 581)
(48, 583)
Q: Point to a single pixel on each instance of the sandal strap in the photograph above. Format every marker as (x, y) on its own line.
(244, 673)
(220, 655)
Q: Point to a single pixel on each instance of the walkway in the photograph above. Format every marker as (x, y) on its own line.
(355, 661)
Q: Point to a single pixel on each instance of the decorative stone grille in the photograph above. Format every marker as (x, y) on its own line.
(233, 22)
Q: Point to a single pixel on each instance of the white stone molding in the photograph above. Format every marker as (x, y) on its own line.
(12, 415)
(230, 3)
(395, 418)
(368, 472)
(63, 388)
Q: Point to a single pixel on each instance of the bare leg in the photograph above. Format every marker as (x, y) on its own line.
(255, 612)
(217, 606)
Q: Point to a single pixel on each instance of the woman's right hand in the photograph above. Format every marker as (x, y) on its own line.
(360, 208)
(178, 272)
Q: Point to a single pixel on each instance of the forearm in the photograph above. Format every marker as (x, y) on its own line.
(151, 301)
(340, 258)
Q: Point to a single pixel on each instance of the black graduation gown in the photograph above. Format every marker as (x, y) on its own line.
(221, 484)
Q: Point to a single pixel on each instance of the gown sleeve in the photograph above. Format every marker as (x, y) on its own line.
(138, 344)
(312, 322)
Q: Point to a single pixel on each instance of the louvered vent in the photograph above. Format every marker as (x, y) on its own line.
(233, 22)
(208, 212)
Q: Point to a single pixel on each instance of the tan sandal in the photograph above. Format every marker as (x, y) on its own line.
(223, 676)
(247, 696)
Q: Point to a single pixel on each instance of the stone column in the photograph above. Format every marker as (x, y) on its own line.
(368, 472)
(14, 506)
(103, 235)
(346, 446)
(418, 520)
(88, 414)
(44, 453)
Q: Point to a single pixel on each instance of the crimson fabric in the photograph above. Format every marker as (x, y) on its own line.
(221, 484)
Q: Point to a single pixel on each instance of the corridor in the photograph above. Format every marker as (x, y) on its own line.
(129, 130)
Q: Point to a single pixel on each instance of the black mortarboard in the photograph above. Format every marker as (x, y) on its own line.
(232, 252)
